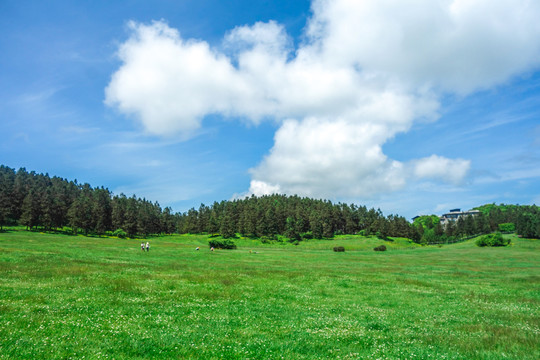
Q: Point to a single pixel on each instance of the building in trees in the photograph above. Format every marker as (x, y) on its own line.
(454, 214)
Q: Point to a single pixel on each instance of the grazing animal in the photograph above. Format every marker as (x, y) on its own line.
(339, 249)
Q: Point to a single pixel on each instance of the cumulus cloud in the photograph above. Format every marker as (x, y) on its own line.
(261, 188)
(452, 45)
(366, 71)
(167, 83)
(270, 38)
(437, 167)
(326, 158)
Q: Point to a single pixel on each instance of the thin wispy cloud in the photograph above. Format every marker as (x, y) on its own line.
(79, 130)
(36, 98)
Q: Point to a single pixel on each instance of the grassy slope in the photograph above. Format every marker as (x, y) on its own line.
(69, 297)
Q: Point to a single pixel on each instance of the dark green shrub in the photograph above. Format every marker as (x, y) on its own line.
(222, 244)
(380, 248)
(498, 240)
(119, 233)
(266, 240)
(492, 240)
(339, 249)
(270, 239)
(294, 240)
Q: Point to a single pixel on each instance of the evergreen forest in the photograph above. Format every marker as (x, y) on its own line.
(42, 202)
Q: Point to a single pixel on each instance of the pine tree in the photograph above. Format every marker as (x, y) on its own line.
(449, 229)
(102, 210)
(227, 228)
(167, 221)
(316, 225)
(119, 206)
(21, 188)
(7, 179)
(191, 222)
(213, 223)
(131, 218)
(469, 225)
(80, 213)
(482, 224)
(528, 223)
(31, 209)
(144, 218)
(291, 229)
(203, 218)
(63, 195)
(47, 208)
(270, 221)
(460, 227)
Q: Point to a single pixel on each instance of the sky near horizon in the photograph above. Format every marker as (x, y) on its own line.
(413, 107)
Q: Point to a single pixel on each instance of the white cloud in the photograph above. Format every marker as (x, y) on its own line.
(261, 188)
(366, 72)
(169, 84)
(453, 45)
(327, 158)
(268, 37)
(437, 167)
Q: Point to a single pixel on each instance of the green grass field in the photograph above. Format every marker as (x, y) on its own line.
(64, 297)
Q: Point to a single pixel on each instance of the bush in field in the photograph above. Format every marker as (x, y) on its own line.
(272, 239)
(492, 240)
(339, 249)
(119, 233)
(222, 244)
(380, 248)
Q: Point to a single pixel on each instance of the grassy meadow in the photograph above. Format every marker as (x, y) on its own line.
(75, 297)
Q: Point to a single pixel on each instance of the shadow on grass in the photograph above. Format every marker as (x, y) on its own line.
(66, 231)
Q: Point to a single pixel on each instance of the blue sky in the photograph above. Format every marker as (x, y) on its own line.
(190, 102)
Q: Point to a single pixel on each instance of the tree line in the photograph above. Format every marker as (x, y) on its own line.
(294, 217)
(40, 201)
(524, 218)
